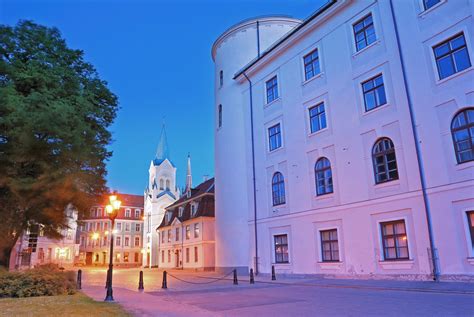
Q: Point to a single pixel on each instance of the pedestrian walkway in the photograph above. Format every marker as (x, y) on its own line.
(212, 294)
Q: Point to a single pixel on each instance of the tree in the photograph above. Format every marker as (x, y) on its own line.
(54, 116)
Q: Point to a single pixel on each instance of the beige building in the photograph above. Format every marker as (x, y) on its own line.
(186, 234)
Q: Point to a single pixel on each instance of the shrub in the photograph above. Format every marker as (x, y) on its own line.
(41, 281)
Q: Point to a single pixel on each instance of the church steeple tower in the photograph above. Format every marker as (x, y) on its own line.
(162, 152)
(189, 177)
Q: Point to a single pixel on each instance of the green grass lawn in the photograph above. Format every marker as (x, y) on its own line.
(64, 305)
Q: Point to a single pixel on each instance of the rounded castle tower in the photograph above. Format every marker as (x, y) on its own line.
(235, 48)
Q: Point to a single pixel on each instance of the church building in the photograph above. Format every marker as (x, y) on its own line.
(160, 193)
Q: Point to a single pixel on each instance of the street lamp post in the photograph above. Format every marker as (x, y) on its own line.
(112, 211)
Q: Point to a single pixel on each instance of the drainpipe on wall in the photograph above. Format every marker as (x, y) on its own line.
(253, 174)
(258, 39)
(421, 170)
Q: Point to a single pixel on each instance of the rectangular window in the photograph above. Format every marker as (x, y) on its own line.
(364, 32)
(118, 241)
(394, 240)
(317, 117)
(169, 256)
(187, 255)
(127, 226)
(162, 256)
(221, 78)
(452, 56)
(188, 232)
(119, 226)
(137, 227)
(281, 248)
(136, 259)
(125, 256)
(374, 93)
(329, 245)
(430, 3)
(163, 237)
(169, 235)
(311, 65)
(137, 241)
(126, 242)
(272, 89)
(195, 254)
(470, 220)
(127, 213)
(274, 137)
(106, 226)
(196, 230)
(137, 213)
(177, 234)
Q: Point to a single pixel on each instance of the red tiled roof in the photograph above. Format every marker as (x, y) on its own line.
(126, 199)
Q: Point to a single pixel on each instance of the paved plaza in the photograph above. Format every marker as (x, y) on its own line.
(204, 294)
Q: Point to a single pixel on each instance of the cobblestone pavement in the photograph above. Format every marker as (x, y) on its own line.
(207, 295)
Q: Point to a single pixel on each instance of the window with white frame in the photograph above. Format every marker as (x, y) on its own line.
(329, 245)
(364, 32)
(274, 137)
(196, 253)
(281, 248)
(137, 241)
(119, 226)
(462, 130)
(177, 234)
(311, 64)
(128, 212)
(317, 117)
(323, 175)
(394, 240)
(188, 232)
(452, 56)
(278, 189)
(118, 241)
(271, 87)
(126, 241)
(127, 226)
(169, 235)
(470, 222)
(427, 4)
(180, 211)
(384, 161)
(374, 93)
(196, 230)
(137, 227)
(137, 213)
(99, 212)
(194, 208)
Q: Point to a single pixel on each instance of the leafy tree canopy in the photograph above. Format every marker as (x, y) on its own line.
(54, 116)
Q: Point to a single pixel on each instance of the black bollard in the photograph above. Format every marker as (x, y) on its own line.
(79, 279)
(164, 284)
(252, 281)
(273, 273)
(236, 282)
(140, 282)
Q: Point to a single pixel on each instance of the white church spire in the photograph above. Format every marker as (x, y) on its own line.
(162, 152)
(189, 177)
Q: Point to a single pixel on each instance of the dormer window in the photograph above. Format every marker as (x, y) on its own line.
(188, 194)
(193, 209)
(168, 215)
(180, 211)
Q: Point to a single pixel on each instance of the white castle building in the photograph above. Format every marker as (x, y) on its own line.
(344, 142)
(160, 193)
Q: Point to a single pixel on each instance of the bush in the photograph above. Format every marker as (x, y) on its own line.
(45, 280)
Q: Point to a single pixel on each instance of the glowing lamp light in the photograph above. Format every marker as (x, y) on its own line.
(106, 232)
(95, 236)
(112, 198)
(116, 204)
(142, 251)
(109, 209)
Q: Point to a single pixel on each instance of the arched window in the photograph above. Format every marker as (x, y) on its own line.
(462, 129)
(278, 189)
(219, 115)
(167, 184)
(385, 161)
(323, 174)
(161, 184)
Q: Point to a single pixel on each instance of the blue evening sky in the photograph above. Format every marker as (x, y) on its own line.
(156, 57)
